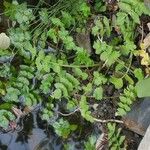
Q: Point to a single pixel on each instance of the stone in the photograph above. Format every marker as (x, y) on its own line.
(145, 144)
(138, 119)
(4, 41)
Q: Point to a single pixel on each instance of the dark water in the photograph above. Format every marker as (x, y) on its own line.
(37, 135)
(33, 136)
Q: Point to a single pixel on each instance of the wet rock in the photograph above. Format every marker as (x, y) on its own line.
(138, 118)
(145, 144)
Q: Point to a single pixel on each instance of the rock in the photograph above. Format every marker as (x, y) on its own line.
(4, 41)
(145, 144)
(138, 118)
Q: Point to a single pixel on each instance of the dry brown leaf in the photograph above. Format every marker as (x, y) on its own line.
(146, 41)
(148, 24)
(145, 57)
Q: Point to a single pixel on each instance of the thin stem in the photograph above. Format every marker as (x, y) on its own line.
(81, 66)
(71, 113)
(108, 120)
(128, 69)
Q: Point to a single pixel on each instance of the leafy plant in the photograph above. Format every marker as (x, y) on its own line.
(107, 54)
(142, 88)
(19, 89)
(90, 143)
(6, 116)
(115, 138)
(85, 112)
(63, 128)
(126, 99)
(45, 65)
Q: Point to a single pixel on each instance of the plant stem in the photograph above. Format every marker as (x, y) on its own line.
(109, 120)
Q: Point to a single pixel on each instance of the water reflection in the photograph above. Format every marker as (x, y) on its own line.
(31, 137)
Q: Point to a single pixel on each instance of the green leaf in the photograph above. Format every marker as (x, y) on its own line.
(67, 19)
(118, 82)
(99, 46)
(88, 88)
(85, 9)
(139, 74)
(90, 144)
(56, 21)
(44, 15)
(107, 26)
(99, 78)
(52, 34)
(129, 79)
(57, 94)
(98, 93)
(85, 109)
(63, 128)
(67, 83)
(78, 72)
(62, 88)
(143, 87)
(121, 112)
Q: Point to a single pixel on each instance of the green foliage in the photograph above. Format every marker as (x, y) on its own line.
(115, 138)
(134, 9)
(90, 143)
(46, 83)
(20, 87)
(64, 128)
(66, 84)
(107, 54)
(98, 93)
(6, 116)
(46, 65)
(99, 78)
(99, 6)
(126, 99)
(118, 82)
(47, 112)
(102, 27)
(79, 73)
(138, 74)
(19, 13)
(142, 88)
(85, 112)
(5, 70)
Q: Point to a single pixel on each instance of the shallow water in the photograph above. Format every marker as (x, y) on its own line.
(36, 135)
(31, 137)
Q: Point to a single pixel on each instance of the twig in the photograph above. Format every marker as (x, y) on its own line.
(109, 120)
(95, 119)
(71, 113)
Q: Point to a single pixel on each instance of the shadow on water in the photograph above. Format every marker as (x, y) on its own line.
(37, 135)
(32, 137)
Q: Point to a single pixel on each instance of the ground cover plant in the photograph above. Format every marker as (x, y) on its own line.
(46, 68)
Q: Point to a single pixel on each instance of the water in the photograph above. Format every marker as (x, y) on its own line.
(31, 137)
(37, 135)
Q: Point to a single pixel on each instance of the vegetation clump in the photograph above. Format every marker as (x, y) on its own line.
(45, 64)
